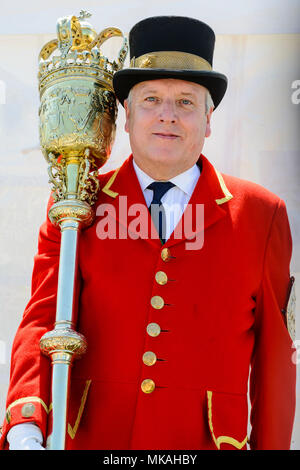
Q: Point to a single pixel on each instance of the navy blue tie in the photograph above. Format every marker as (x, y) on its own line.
(156, 208)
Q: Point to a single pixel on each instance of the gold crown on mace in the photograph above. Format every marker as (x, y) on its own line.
(79, 53)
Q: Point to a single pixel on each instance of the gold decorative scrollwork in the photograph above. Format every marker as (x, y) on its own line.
(63, 339)
(88, 183)
(57, 180)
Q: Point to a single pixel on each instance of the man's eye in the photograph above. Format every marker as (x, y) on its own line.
(185, 101)
(150, 98)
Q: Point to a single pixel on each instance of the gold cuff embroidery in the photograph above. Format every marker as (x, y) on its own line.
(224, 188)
(72, 431)
(221, 439)
(24, 400)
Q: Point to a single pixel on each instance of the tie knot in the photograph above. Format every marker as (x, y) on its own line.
(159, 188)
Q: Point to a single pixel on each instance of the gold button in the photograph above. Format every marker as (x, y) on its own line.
(161, 278)
(28, 410)
(165, 254)
(149, 358)
(153, 329)
(157, 302)
(148, 386)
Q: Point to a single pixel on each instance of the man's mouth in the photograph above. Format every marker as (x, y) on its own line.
(166, 135)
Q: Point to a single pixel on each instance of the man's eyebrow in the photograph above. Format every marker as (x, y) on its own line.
(187, 93)
(151, 90)
(154, 91)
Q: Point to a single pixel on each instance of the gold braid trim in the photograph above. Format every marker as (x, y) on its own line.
(20, 401)
(106, 189)
(176, 60)
(224, 188)
(72, 431)
(221, 439)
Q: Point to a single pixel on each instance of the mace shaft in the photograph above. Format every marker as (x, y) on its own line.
(67, 271)
(63, 344)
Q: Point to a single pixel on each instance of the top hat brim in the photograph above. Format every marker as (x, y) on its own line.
(125, 79)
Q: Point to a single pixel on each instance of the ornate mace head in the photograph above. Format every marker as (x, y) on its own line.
(78, 107)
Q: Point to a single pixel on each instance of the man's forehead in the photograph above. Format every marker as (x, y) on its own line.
(182, 86)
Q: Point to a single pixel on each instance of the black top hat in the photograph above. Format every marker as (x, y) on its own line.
(171, 47)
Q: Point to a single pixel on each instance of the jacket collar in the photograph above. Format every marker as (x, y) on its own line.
(185, 181)
(211, 191)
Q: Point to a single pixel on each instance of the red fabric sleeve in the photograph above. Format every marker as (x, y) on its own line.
(273, 372)
(29, 387)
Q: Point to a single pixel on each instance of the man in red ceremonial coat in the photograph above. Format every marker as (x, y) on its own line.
(176, 312)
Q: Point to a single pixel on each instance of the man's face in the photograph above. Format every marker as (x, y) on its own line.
(167, 125)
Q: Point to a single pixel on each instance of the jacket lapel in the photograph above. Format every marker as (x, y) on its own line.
(205, 207)
(131, 211)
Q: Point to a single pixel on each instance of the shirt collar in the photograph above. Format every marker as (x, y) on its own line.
(185, 181)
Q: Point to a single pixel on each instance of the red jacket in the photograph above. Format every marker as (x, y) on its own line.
(221, 313)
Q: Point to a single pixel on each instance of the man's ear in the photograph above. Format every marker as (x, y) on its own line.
(127, 112)
(208, 121)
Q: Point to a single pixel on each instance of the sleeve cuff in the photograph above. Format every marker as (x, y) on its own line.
(25, 410)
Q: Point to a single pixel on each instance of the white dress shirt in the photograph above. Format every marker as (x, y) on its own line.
(175, 199)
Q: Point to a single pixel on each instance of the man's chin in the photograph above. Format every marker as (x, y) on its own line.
(165, 156)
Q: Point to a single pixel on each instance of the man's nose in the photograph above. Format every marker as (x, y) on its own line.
(168, 112)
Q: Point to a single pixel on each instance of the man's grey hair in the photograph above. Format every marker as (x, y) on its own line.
(208, 100)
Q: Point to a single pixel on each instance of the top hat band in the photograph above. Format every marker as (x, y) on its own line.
(170, 60)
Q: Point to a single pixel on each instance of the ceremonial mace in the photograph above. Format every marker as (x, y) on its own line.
(77, 127)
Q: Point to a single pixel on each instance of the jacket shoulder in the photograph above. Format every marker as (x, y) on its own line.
(105, 177)
(109, 176)
(247, 191)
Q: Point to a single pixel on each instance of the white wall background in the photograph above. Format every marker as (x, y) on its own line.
(255, 134)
